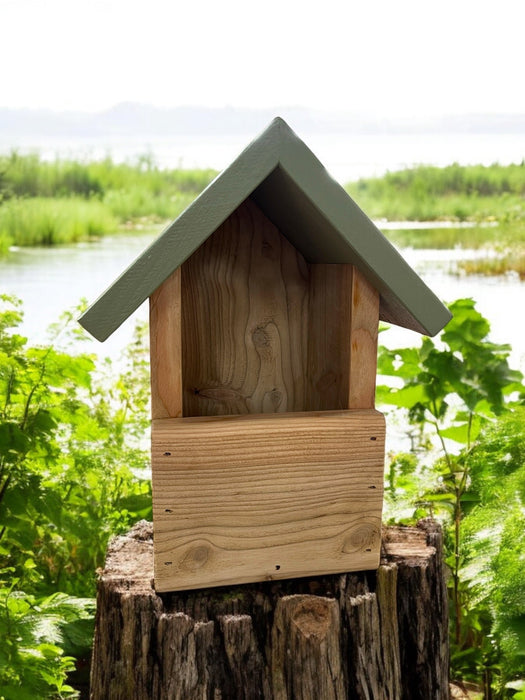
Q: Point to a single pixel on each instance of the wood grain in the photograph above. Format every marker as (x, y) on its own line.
(251, 498)
(329, 328)
(244, 320)
(364, 324)
(165, 349)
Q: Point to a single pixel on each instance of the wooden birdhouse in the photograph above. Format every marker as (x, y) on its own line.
(265, 298)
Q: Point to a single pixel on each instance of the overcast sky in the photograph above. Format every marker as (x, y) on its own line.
(379, 57)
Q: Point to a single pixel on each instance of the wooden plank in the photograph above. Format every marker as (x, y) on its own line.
(363, 342)
(244, 320)
(165, 349)
(328, 337)
(253, 498)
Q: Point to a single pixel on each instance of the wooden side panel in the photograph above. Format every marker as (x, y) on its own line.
(165, 349)
(253, 498)
(364, 322)
(244, 320)
(329, 331)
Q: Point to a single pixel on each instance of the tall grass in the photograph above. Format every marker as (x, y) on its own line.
(500, 237)
(41, 221)
(129, 205)
(30, 176)
(455, 192)
(509, 262)
(43, 203)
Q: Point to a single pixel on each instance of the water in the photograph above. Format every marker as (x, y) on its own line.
(50, 280)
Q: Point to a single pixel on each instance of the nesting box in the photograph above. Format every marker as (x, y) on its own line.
(265, 298)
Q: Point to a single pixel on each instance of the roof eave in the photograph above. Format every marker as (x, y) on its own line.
(186, 234)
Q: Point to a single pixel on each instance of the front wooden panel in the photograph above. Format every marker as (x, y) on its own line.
(244, 320)
(238, 499)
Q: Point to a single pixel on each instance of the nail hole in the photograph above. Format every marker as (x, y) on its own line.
(373, 438)
(368, 550)
(277, 567)
(372, 487)
(168, 510)
(167, 454)
(168, 563)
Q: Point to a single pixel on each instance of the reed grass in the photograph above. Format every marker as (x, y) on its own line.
(498, 237)
(41, 221)
(44, 203)
(510, 262)
(30, 176)
(458, 193)
(130, 205)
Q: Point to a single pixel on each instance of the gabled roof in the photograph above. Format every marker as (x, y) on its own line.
(314, 212)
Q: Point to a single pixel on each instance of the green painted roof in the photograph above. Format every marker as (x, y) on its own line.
(313, 211)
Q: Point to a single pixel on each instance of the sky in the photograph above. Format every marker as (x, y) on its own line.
(395, 58)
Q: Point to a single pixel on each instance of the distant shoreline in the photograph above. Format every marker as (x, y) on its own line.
(131, 118)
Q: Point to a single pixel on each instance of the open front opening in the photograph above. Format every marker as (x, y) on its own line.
(247, 326)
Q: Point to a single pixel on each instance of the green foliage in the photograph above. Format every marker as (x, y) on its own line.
(41, 221)
(458, 385)
(130, 205)
(34, 633)
(461, 390)
(71, 466)
(494, 532)
(26, 176)
(45, 203)
(455, 192)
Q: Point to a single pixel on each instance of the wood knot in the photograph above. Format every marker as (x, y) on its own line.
(268, 251)
(266, 341)
(195, 558)
(261, 338)
(272, 400)
(312, 617)
(363, 537)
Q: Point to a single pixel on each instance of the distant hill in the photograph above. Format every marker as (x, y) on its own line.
(134, 118)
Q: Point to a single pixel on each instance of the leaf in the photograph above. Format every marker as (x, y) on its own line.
(466, 325)
(403, 398)
(13, 440)
(458, 433)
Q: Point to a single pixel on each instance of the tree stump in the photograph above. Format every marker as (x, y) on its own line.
(376, 635)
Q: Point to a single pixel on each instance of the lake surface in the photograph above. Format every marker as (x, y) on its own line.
(50, 280)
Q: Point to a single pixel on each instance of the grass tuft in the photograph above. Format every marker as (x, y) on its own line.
(491, 266)
(40, 221)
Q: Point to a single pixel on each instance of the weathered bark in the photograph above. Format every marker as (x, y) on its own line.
(375, 635)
